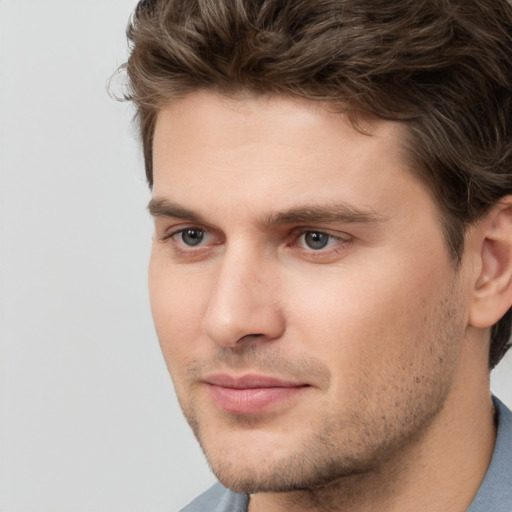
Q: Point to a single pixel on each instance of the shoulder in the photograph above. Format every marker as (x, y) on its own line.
(503, 448)
(218, 499)
(495, 492)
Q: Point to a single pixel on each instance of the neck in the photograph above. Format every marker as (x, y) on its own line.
(439, 471)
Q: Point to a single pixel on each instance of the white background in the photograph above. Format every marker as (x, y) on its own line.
(88, 418)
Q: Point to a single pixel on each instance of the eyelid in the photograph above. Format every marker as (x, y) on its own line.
(338, 235)
(168, 229)
(338, 243)
(179, 237)
(341, 241)
(330, 237)
(174, 231)
(181, 250)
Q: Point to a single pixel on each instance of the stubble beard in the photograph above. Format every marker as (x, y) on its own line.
(365, 441)
(328, 457)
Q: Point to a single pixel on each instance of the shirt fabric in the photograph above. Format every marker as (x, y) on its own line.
(494, 495)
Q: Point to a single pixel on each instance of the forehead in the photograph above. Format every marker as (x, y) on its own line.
(282, 116)
(247, 152)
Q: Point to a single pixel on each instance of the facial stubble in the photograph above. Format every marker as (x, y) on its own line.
(345, 443)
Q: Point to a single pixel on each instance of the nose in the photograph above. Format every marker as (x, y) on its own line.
(244, 303)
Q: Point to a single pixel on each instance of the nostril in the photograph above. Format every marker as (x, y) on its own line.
(251, 336)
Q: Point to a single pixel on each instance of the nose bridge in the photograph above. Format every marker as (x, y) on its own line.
(244, 300)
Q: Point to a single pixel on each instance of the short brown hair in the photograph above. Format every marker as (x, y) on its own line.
(441, 67)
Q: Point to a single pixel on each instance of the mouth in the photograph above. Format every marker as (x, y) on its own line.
(251, 394)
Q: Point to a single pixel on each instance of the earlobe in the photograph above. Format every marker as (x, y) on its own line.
(492, 292)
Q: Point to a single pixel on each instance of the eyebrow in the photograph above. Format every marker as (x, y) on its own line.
(329, 212)
(160, 207)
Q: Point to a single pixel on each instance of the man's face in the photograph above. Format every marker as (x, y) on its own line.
(305, 302)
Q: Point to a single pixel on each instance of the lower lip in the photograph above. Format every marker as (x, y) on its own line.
(251, 400)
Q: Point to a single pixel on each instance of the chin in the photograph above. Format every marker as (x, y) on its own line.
(303, 467)
(251, 461)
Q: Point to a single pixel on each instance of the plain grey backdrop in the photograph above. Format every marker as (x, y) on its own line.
(88, 417)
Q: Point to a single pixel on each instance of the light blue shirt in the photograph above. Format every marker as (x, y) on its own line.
(494, 495)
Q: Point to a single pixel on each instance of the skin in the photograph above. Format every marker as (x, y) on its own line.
(387, 340)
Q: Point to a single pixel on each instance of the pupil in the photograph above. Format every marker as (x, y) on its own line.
(316, 240)
(192, 236)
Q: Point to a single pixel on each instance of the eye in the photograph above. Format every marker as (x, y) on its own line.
(191, 236)
(189, 243)
(316, 240)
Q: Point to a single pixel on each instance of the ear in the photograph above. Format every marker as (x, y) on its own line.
(492, 292)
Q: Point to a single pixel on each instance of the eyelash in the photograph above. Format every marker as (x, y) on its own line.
(330, 238)
(334, 243)
(180, 248)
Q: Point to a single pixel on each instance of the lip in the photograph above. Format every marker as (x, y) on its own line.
(251, 393)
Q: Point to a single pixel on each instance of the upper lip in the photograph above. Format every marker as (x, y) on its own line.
(250, 381)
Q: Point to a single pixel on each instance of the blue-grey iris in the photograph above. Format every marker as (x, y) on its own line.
(192, 236)
(316, 240)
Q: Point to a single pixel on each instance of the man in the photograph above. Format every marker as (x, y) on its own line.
(331, 270)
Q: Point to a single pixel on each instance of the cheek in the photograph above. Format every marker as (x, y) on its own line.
(357, 322)
(178, 306)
